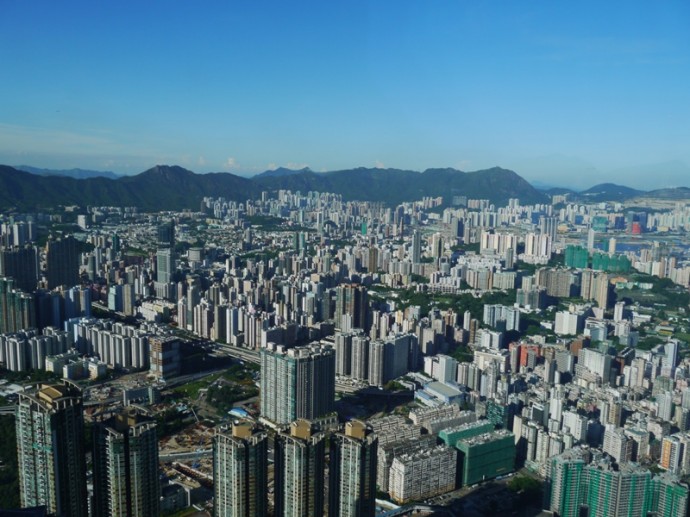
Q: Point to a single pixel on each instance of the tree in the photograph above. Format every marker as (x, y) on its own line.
(9, 483)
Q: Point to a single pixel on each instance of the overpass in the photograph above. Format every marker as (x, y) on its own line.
(414, 509)
(8, 410)
(252, 356)
(246, 354)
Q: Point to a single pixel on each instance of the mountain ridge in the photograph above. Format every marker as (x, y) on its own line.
(172, 187)
(75, 173)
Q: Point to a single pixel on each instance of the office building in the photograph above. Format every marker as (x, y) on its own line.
(617, 444)
(420, 474)
(416, 251)
(486, 456)
(625, 491)
(548, 225)
(297, 382)
(392, 358)
(240, 472)
(351, 306)
(567, 472)
(62, 262)
(299, 471)
(672, 500)
(164, 265)
(50, 449)
(568, 323)
(17, 308)
(125, 466)
(165, 234)
(21, 264)
(452, 435)
(603, 488)
(164, 356)
(353, 455)
(576, 257)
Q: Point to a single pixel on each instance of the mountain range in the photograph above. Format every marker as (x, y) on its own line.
(166, 187)
(79, 174)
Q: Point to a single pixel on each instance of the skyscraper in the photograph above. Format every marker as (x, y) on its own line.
(351, 300)
(416, 247)
(566, 473)
(626, 491)
(50, 449)
(165, 356)
(297, 382)
(548, 225)
(591, 236)
(604, 488)
(299, 471)
(125, 466)
(62, 259)
(352, 474)
(17, 308)
(240, 472)
(165, 234)
(164, 265)
(22, 265)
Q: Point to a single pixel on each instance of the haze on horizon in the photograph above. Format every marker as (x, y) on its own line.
(564, 94)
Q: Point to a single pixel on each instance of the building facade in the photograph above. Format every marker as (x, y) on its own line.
(50, 449)
(299, 471)
(352, 474)
(125, 466)
(297, 382)
(240, 472)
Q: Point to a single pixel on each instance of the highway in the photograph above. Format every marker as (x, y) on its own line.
(252, 356)
(8, 410)
(237, 352)
(183, 456)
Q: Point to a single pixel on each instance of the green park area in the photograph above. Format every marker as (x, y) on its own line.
(220, 391)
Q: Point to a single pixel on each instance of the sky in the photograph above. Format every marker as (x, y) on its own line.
(564, 93)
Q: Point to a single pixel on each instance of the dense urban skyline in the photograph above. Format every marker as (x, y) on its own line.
(567, 96)
(301, 353)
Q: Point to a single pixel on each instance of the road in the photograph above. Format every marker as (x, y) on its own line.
(184, 456)
(253, 356)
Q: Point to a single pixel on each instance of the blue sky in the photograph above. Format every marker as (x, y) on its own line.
(568, 93)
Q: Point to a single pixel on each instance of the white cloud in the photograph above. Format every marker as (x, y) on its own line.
(296, 166)
(231, 163)
(201, 161)
(379, 164)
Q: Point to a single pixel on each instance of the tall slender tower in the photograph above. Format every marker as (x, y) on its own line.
(299, 471)
(62, 259)
(22, 265)
(125, 466)
(164, 265)
(352, 474)
(416, 247)
(165, 234)
(567, 473)
(240, 472)
(297, 382)
(352, 300)
(50, 449)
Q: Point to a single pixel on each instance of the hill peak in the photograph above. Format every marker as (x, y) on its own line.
(168, 171)
(281, 172)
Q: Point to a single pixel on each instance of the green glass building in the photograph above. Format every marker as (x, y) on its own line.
(486, 456)
(452, 435)
(576, 257)
(604, 489)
